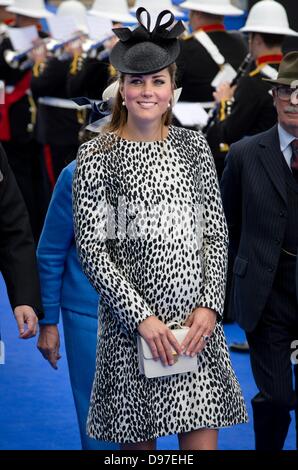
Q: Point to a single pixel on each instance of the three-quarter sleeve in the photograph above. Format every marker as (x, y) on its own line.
(90, 223)
(215, 235)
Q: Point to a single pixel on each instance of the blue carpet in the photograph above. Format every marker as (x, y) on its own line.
(36, 404)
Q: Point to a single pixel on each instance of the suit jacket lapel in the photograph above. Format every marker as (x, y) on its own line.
(271, 158)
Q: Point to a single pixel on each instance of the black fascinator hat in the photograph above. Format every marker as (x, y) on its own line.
(142, 51)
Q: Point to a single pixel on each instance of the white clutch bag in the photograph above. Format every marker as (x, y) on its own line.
(151, 368)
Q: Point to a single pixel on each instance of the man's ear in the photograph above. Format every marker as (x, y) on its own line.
(273, 94)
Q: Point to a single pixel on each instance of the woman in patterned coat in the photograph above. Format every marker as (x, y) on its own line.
(152, 238)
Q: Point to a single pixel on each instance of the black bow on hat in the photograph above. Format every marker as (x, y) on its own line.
(160, 32)
(142, 51)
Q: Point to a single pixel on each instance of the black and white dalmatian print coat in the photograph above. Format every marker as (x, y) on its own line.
(152, 238)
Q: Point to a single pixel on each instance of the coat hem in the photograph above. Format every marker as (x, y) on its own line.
(149, 437)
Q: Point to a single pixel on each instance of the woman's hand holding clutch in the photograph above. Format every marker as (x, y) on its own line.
(160, 339)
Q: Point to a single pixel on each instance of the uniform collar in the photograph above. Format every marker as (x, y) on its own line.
(9, 21)
(269, 59)
(208, 28)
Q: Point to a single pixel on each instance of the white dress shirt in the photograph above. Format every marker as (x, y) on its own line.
(285, 140)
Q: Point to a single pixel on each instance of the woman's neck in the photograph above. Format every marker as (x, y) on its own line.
(147, 132)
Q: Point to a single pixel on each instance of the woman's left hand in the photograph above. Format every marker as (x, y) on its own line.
(201, 322)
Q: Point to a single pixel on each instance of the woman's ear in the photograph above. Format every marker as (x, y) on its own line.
(121, 90)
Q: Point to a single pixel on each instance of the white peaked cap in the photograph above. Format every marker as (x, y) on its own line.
(31, 8)
(115, 10)
(157, 6)
(75, 9)
(6, 3)
(214, 7)
(268, 16)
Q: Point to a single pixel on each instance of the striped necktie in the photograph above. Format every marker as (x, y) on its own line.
(294, 158)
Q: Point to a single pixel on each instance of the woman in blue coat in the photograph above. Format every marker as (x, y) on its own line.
(65, 287)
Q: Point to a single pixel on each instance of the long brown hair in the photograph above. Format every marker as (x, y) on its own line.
(119, 112)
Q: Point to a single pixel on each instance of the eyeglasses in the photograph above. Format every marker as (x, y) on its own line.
(284, 92)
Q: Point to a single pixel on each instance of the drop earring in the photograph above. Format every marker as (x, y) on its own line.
(123, 103)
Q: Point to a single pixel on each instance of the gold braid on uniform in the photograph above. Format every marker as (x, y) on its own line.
(38, 68)
(256, 71)
(74, 66)
(33, 112)
(225, 109)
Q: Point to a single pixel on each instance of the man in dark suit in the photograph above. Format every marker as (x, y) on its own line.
(17, 254)
(260, 196)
